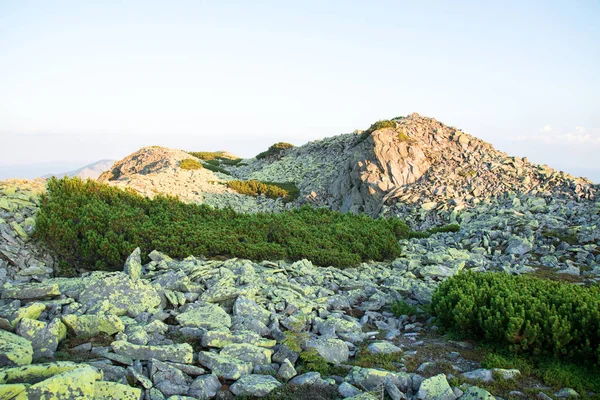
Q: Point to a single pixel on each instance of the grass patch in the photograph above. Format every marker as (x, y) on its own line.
(304, 392)
(190, 164)
(97, 226)
(400, 308)
(365, 359)
(311, 361)
(273, 190)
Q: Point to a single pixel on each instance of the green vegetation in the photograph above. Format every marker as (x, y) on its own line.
(273, 190)
(275, 150)
(304, 392)
(381, 124)
(366, 359)
(526, 314)
(216, 168)
(400, 308)
(403, 137)
(93, 225)
(438, 229)
(190, 164)
(215, 156)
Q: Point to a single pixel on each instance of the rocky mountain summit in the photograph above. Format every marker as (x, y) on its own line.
(199, 328)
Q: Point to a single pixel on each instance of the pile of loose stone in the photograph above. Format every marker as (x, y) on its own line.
(238, 315)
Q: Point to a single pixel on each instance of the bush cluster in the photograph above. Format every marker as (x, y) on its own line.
(273, 190)
(93, 225)
(190, 164)
(275, 150)
(526, 314)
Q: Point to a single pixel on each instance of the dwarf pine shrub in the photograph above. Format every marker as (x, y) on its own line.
(526, 314)
(190, 164)
(275, 150)
(93, 225)
(273, 190)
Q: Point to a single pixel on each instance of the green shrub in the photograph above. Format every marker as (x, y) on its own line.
(214, 155)
(526, 314)
(381, 124)
(275, 150)
(190, 164)
(216, 168)
(273, 190)
(93, 225)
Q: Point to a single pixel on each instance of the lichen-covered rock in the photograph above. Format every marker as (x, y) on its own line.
(115, 391)
(333, 350)
(133, 264)
(118, 294)
(222, 338)
(248, 353)
(383, 348)
(35, 373)
(209, 316)
(286, 370)
(347, 390)
(205, 387)
(30, 291)
(31, 311)
(11, 391)
(435, 388)
(225, 367)
(92, 325)
(180, 353)
(248, 308)
(254, 385)
(44, 337)
(74, 384)
(14, 350)
(371, 378)
(309, 378)
(475, 393)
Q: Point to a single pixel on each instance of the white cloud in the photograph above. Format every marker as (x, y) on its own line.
(579, 136)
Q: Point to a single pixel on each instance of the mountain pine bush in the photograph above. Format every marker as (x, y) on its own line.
(275, 150)
(96, 226)
(527, 314)
(190, 164)
(273, 190)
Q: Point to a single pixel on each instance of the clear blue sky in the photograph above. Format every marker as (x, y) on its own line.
(80, 82)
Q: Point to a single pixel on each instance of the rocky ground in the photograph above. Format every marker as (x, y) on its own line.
(201, 328)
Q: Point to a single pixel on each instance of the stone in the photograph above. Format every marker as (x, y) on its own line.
(475, 393)
(383, 348)
(205, 387)
(115, 391)
(117, 293)
(435, 388)
(248, 308)
(518, 245)
(248, 353)
(11, 391)
(371, 378)
(34, 373)
(225, 367)
(309, 378)
(44, 337)
(169, 380)
(254, 385)
(392, 390)
(209, 316)
(181, 353)
(347, 390)
(78, 383)
(484, 375)
(31, 311)
(222, 338)
(133, 264)
(92, 325)
(286, 370)
(30, 291)
(14, 350)
(333, 350)
(566, 393)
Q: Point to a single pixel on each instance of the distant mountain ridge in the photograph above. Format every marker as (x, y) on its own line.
(91, 171)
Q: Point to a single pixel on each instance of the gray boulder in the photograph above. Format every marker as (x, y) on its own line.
(254, 385)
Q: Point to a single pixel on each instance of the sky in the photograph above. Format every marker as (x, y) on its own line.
(84, 81)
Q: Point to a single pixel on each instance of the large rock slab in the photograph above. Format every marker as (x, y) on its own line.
(118, 294)
(371, 378)
(248, 353)
(75, 384)
(225, 367)
(14, 350)
(112, 390)
(254, 385)
(180, 353)
(35, 373)
(44, 337)
(333, 350)
(205, 387)
(435, 388)
(92, 325)
(209, 316)
(31, 291)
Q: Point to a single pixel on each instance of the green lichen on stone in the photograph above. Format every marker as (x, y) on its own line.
(226, 367)
(10, 391)
(92, 325)
(30, 291)
(249, 353)
(254, 385)
(35, 373)
(74, 384)
(112, 390)
(209, 316)
(180, 353)
(14, 350)
(31, 311)
(118, 294)
(435, 388)
(44, 337)
(475, 393)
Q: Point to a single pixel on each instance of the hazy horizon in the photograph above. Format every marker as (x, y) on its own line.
(81, 82)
